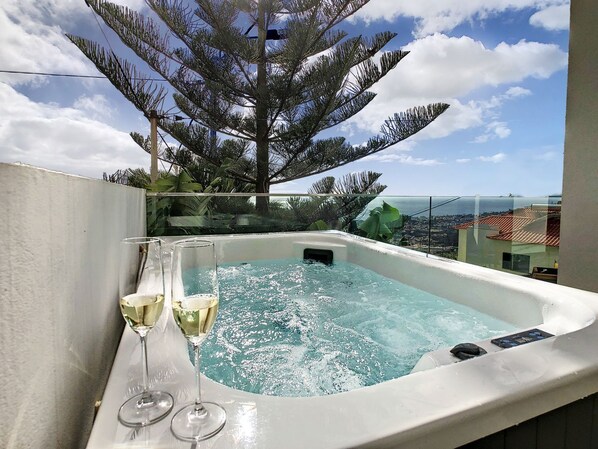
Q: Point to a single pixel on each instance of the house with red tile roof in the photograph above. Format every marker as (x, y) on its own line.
(516, 241)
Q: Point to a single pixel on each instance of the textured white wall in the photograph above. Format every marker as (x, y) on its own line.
(59, 319)
(578, 259)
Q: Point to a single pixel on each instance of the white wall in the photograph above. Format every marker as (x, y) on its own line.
(578, 264)
(59, 318)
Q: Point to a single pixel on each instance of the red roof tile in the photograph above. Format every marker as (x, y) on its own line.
(504, 223)
(547, 236)
(525, 225)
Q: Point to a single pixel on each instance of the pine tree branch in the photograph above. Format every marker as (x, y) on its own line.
(323, 186)
(136, 87)
(179, 18)
(323, 30)
(141, 34)
(335, 11)
(325, 97)
(235, 47)
(394, 130)
(223, 121)
(307, 37)
(197, 140)
(356, 53)
(212, 70)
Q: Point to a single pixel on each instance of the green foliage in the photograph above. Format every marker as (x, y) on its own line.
(134, 177)
(382, 223)
(201, 171)
(319, 225)
(183, 183)
(161, 209)
(341, 201)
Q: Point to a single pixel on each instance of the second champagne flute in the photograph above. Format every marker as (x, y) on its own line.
(194, 307)
(141, 288)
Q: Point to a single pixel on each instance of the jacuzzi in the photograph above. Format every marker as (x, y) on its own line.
(443, 403)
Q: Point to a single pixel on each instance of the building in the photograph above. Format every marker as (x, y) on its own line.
(518, 241)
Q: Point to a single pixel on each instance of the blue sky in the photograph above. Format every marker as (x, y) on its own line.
(500, 64)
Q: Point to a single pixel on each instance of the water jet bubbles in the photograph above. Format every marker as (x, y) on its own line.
(295, 329)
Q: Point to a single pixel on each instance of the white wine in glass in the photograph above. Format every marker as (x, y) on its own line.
(141, 290)
(195, 307)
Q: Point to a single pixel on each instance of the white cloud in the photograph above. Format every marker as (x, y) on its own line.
(137, 5)
(401, 158)
(500, 129)
(33, 40)
(46, 11)
(463, 161)
(33, 37)
(285, 187)
(552, 18)
(517, 92)
(498, 157)
(481, 138)
(398, 153)
(459, 117)
(494, 130)
(71, 139)
(97, 106)
(433, 16)
(62, 139)
(442, 68)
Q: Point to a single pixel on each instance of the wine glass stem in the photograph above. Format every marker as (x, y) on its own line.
(145, 374)
(198, 405)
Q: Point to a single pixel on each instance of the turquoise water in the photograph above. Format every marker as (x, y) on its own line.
(289, 328)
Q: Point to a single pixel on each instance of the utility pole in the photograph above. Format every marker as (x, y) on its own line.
(154, 145)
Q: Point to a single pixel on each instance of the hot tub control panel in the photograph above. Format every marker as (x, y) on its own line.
(521, 338)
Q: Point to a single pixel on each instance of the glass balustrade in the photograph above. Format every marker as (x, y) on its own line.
(515, 234)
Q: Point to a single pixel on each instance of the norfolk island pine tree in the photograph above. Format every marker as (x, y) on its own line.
(267, 100)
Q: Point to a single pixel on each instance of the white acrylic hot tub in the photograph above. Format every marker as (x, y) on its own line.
(441, 404)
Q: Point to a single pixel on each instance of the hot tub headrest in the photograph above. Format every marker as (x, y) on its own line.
(464, 351)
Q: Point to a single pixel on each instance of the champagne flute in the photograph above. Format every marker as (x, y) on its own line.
(141, 290)
(194, 307)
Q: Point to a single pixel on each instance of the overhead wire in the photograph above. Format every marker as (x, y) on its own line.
(129, 82)
(70, 75)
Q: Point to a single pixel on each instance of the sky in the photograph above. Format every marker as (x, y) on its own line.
(501, 65)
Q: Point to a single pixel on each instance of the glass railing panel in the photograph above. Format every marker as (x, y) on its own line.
(518, 235)
(515, 234)
(204, 214)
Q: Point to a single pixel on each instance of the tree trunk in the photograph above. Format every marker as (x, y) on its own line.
(262, 203)
(261, 115)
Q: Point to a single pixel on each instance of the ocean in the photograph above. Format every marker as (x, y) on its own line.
(467, 205)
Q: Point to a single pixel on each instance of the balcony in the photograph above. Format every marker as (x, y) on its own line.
(59, 238)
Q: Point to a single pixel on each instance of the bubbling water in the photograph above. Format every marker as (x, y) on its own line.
(290, 328)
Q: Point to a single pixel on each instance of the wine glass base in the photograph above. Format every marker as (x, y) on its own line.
(136, 412)
(187, 425)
